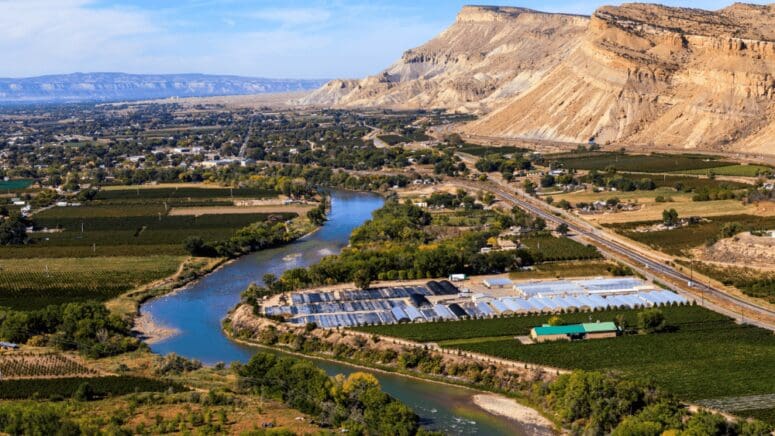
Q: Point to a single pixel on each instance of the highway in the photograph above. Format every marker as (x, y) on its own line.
(765, 316)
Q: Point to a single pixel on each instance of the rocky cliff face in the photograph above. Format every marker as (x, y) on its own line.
(487, 57)
(653, 75)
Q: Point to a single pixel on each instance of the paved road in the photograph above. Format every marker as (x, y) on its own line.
(599, 239)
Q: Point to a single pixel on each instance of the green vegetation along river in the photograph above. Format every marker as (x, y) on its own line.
(195, 313)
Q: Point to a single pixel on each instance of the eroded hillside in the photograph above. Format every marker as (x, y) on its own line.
(653, 75)
(485, 59)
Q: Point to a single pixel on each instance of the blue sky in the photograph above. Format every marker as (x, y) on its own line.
(267, 38)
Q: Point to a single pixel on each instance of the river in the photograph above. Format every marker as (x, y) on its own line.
(196, 313)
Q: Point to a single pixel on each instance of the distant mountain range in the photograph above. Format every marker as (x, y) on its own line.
(101, 87)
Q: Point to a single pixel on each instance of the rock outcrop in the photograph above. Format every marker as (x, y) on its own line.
(659, 76)
(638, 74)
(487, 57)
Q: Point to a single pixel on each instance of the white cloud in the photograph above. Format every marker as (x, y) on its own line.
(61, 36)
(292, 16)
(39, 36)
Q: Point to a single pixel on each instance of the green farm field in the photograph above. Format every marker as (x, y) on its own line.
(653, 163)
(481, 150)
(107, 232)
(547, 270)
(735, 170)
(688, 183)
(703, 355)
(549, 248)
(677, 242)
(180, 193)
(27, 284)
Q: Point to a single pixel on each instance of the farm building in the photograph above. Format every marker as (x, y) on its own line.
(497, 283)
(606, 286)
(598, 330)
(8, 346)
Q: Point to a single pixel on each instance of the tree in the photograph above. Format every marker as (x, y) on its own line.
(547, 181)
(705, 423)
(362, 278)
(529, 187)
(651, 321)
(670, 217)
(563, 229)
(269, 280)
(731, 229)
(194, 245)
(555, 321)
(84, 392)
(13, 231)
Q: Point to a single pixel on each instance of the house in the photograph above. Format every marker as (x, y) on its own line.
(507, 244)
(597, 330)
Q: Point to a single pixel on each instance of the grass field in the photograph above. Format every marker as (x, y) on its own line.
(653, 163)
(704, 355)
(27, 284)
(651, 210)
(734, 170)
(678, 241)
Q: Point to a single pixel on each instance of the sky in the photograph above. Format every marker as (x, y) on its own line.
(318, 39)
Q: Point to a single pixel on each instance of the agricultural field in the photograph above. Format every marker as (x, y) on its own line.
(393, 139)
(548, 270)
(735, 170)
(701, 355)
(27, 284)
(651, 209)
(46, 365)
(687, 183)
(549, 249)
(653, 163)
(65, 387)
(180, 196)
(680, 241)
(481, 150)
(109, 233)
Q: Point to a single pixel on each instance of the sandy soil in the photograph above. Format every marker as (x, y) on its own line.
(151, 332)
(224, 210)
(742, 250)
(534, 422)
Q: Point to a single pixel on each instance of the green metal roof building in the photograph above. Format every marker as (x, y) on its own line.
(595, 330)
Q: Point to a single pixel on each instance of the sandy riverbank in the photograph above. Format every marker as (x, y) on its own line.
(150, 332)
(532, 421)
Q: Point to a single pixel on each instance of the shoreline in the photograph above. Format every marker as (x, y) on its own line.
(150, 332)
(534, 422)
(531, 420)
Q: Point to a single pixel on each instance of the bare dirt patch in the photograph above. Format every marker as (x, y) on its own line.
(741, 250)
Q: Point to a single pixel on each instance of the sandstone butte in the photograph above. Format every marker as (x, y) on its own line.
(638, 75)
